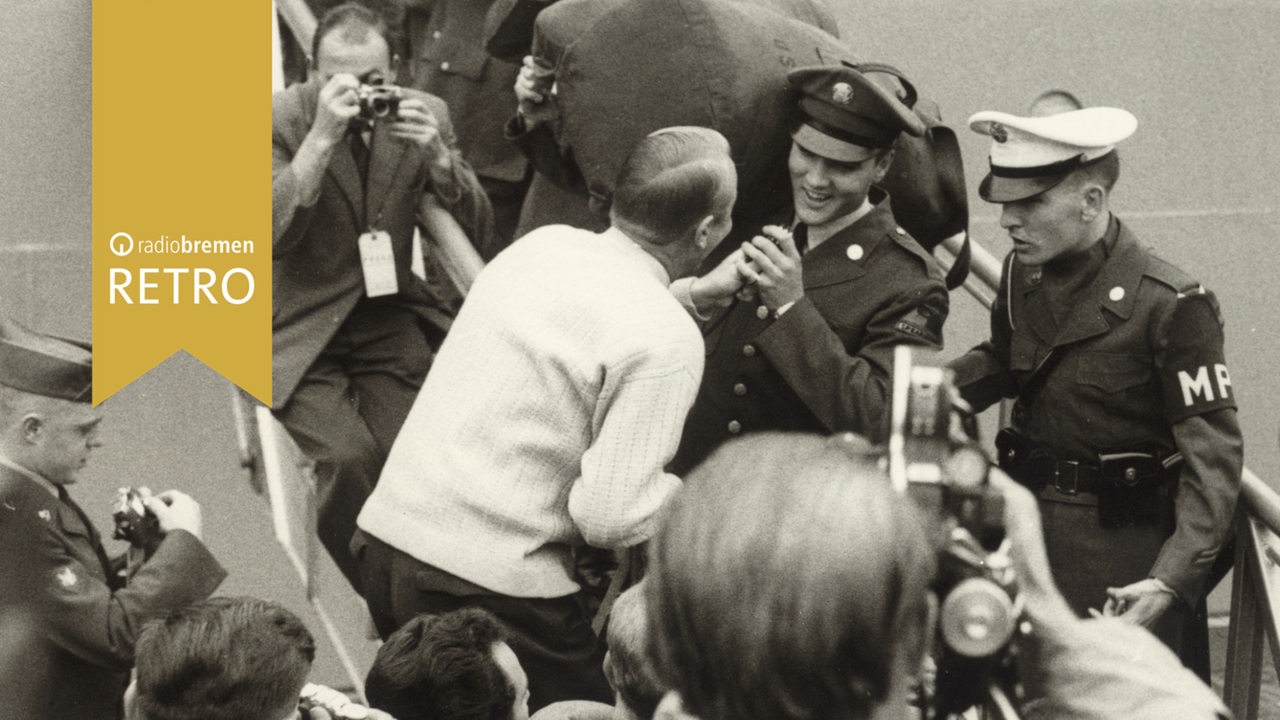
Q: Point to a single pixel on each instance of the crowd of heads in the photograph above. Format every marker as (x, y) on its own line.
(753, 606)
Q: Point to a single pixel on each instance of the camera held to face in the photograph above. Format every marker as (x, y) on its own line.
(379, 99)
(934, 456)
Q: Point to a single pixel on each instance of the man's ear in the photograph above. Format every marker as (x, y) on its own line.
(883, 162)
(702, 236)
(672, 708)
(1093, 201)
(31, 427)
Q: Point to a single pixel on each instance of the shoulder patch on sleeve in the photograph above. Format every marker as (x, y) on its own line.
(1195, 376)
(922, 323)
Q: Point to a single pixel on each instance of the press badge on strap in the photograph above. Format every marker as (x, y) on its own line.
(378, 263)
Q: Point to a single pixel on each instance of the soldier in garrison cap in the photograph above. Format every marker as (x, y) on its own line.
(800, 324)
(69, 612)
(1125, 421)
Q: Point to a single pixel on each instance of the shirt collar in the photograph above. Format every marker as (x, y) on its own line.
(819, 236)
(39, 480)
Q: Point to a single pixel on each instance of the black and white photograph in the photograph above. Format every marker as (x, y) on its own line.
(674, 360)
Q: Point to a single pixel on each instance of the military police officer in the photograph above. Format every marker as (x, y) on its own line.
(1125, 422)
(807, 343)
(69, 613)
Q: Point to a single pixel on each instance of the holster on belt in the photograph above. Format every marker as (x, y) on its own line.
(1137, 488)
(1134, 486)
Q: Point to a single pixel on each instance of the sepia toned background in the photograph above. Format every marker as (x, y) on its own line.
(1197, 184)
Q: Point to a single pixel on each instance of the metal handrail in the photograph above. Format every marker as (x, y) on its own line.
(300, 19)
(1255, 596)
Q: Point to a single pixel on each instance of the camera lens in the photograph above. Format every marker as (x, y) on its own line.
(977, 618)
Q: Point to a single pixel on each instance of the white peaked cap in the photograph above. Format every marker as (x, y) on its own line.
(1032, 154)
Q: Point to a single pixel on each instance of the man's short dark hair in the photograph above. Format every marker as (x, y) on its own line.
(788, 580)
(223, 658)
(442, 667)
(354, 20)
(1105, 171)
(673, 179)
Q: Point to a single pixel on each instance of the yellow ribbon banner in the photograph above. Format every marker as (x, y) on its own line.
(181, 201)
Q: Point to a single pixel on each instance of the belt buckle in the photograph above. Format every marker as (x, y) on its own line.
(1058, 477)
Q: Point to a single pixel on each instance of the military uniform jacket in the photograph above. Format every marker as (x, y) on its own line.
(1139, 365)
(316, 271)
(825, 364)
(450, 62)
(80, 618)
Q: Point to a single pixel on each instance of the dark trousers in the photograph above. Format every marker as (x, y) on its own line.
(552, 637)
(1087, 558)
(347, 410)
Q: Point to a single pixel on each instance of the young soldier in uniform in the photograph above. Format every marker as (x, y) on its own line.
(1125, 422)
(810, 347)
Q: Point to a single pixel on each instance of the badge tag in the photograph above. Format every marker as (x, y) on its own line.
(378, 263)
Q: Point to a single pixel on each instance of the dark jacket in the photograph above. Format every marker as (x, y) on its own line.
(1138, 363)
(825, 364)
(446, 39)
(316, 273)
(77, 620)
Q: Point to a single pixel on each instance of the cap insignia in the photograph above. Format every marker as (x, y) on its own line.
(842, 92)
(45, 515)
(998, 133)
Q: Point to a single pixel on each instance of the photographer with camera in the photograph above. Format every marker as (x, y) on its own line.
(354, 328)
(75, 610)
(839, 614)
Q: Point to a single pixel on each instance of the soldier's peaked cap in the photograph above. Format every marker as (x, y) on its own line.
(1032, 154)
(847, 116)
(44, 365)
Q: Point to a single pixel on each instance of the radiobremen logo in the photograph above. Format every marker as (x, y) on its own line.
(179, 284)
(157, 292)
(182, 234)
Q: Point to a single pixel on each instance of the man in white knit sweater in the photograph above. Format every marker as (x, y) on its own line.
(548, 416)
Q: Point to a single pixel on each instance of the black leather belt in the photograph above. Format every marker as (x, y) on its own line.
(1133, 486)
(1066, 476)
(1037, 469)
